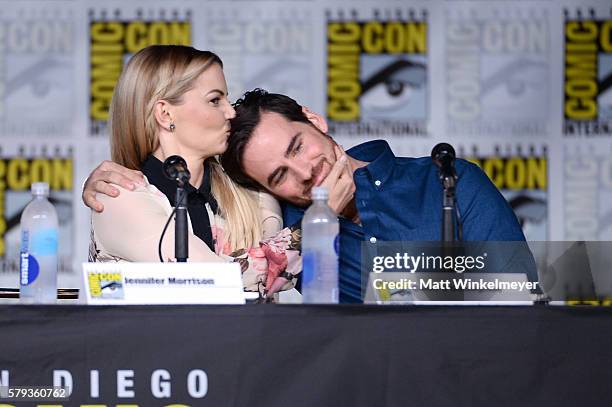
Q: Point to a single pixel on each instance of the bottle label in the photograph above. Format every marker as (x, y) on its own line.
(44, 242)
(309, 265)
(29, 268)
(337, 244)
(41, 243)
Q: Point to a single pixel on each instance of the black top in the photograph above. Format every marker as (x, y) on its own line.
(196, 198)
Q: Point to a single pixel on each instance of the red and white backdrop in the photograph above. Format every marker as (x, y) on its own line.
(524, 89)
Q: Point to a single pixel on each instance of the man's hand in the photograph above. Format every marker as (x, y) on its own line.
(105, 174)
(339, 183)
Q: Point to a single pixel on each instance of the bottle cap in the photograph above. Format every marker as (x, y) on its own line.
(320, 193)
(40, 188)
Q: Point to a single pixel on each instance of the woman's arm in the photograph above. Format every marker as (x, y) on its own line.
(131, 225)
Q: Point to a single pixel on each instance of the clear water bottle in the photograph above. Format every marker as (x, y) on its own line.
(39, 235)
(320, 251)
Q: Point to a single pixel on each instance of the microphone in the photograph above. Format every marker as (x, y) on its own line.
(175, 168)
(443, 156)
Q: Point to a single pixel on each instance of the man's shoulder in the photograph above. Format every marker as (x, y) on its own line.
(291, 213)
(426, 165)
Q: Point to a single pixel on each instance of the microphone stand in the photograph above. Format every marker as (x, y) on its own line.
(181, 247)
(448, 206)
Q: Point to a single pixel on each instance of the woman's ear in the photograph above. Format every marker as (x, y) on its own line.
(163, 117)
(316, 119)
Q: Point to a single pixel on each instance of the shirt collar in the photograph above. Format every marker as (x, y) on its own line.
(379, 156)
(152, 168)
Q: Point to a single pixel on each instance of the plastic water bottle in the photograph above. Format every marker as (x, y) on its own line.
(39, 235)
(320, 251)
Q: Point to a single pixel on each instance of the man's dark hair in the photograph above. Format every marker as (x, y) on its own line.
(248, 115)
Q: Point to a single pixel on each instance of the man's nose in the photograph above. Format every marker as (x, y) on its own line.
(302, 170)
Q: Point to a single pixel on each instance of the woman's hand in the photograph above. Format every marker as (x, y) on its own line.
(339, 182)
(105, 174)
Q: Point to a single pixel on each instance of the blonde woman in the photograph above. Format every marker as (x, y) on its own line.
(172, 100)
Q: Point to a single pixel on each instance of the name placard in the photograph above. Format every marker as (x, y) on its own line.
(162, 283)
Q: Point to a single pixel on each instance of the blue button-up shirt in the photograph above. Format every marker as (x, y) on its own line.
(400, 198)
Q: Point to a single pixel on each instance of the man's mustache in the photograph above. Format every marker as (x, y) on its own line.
(309, 183)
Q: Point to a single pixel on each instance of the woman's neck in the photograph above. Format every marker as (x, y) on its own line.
(194, 164)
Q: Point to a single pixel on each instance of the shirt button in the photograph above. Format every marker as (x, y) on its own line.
(372, 239)
(377, 183)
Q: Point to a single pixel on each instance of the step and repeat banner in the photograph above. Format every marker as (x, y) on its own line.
(523, 89)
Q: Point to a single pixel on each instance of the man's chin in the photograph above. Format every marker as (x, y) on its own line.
(301, 202)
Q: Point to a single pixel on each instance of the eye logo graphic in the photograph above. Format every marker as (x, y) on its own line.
(587, 192)
(522, 178)
(377, 78)
(270, 48)
(497, 71)
(106, 285)
(588, 75)
(36, 71)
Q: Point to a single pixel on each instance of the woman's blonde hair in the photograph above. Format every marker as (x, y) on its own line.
(167, 72)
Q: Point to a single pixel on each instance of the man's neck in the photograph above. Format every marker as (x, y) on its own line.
(355, 164)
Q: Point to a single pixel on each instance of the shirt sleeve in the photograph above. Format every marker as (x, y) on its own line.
(131, 225)
(485, 214)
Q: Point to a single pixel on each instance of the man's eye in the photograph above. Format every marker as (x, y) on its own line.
(280, 178)
(297, 149)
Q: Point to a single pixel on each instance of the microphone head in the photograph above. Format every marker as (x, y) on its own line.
(442, 152)
(175, 168)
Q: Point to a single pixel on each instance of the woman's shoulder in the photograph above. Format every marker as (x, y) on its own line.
(270, 212)
(144, 194)
(268, 202)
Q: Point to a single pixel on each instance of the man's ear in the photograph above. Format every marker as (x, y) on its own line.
(163, 117)
(316, 119)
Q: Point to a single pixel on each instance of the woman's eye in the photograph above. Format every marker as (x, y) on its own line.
(215, 101)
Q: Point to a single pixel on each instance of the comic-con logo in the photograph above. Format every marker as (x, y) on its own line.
(105, 285)
(497, 71)
(270, 48)
(113, 39)
(521, 175)
(17, 173)
(588, 75)
(377, 73)
(587, 192)
(36, 71)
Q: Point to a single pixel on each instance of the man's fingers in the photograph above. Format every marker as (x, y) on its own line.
(335, 172)
(90, 200)
(105, 188)
(112, 167)
(115, 178)
(339, 151)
